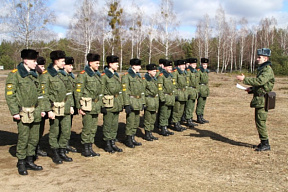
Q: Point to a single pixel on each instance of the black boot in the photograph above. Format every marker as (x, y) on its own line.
(86, 152)
(69, 148)
(108, 147)
(178, 127)
(190, 123)
(63, 156)
(21, 167)
(263, 146)
(91, 150)
(30, 164)
(129, 142)
(169, 132)
(148, 136)
(40, 152)
(204, 120)
(199, 119)
(135, 142)
(115, 148)
(152, 136)
(164, 131)
(55, 157)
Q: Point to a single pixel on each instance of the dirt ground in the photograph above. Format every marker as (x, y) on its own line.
(212, 157)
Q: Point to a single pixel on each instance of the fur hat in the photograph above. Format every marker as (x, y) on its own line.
(69, 61)
(161, 61)
(204, 60)
(29, 54)
(191, 60)
(112, 59)
(264, 52)
(151, 66)
(41, 61)
(135, 61)
(58, 54)
(93, 57)
(167, 63)
(179, 62)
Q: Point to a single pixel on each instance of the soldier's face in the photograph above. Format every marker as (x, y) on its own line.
(40, 68)
(60, 63)
(161, 65)
(68, 68)
(136, 68)
(194, 65)
(95, 65)
(204, 65)
(114, 66)
(261, 59)
(168, 69)
(30, 63)
(182, 67)
(152, 73)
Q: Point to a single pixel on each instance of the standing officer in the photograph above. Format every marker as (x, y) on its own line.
(58, 101)
(203, 91)
(160, 68)
(112, 103)
(193, 79)
(134, 100)
(69, 62)
(166, 96)
(40, 68)
(181, 96)
(22, 93)
(88, 96)
(151, 100)
(262, 84)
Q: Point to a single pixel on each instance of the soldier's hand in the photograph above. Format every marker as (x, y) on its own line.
(43, 114)
(176, 98)
(240, 77)
(103, 110)
(51, 115)
(71, 110)
(249, 90)
(127, 109)
(17, 117)
(81, 112)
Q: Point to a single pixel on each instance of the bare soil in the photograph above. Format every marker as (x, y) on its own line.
(217, 156)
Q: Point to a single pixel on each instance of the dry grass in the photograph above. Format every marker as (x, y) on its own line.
(212, 157)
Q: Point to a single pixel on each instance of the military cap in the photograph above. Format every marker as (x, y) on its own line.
(58, 54)
(135, 61)
(69, 61)
(41, 61)
(264, 52)
(93, 57)
(204, 60)
(181, 62)
(167, 63)
(112, 59)
(191, 60)
(29, 54)
(161, 61)
(151, 66)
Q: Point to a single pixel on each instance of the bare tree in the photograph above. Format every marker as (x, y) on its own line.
(242, 36)
(27, 20)
(266, 33)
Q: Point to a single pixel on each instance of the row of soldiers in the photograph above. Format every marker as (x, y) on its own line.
(166, 95)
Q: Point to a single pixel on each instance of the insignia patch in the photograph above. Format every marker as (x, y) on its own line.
(42, 86)
(78, 90)
(174, 81)
(14, 70)
(160, 87)
(79, 85)
(160, 74)
(102, 74)
(43, 92)
(9, 92)
(123, 87)
(9, 86)
(44, 72)
(82, 72)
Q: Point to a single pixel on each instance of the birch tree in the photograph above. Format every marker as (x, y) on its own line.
(242, 36)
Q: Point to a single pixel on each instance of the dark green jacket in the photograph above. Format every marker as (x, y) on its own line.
(133, 90)
(193, 85)
(181, 84)
(151, 93)
(203, 82)
(262, 84)
(166, 88)
(111, 85)
(89, 84)
(23, 90)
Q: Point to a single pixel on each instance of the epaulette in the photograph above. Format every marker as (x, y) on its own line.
(126, 73)
(187, 69)
(102, 74)
(198, 69)
(174, 70)
(44, 72)
(160, 74)
(14, 70)
(82, 72)
(157, 70)
(143, 77)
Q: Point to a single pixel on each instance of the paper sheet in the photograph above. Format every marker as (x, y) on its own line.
(240, 87)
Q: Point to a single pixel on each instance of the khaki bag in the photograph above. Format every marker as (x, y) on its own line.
(108, 100)
(270, 100)
(27, 114)
(86, 103)
(58, 108)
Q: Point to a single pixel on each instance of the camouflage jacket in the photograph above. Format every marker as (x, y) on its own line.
(180, 82)
(151, 93)
(166, 88)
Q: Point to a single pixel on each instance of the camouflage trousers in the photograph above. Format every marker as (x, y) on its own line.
(189, 109)
(90, 124)
(201, 105)
(132, 122)
(260, 120)
(110, 125)
(59, 137)
(149, 120)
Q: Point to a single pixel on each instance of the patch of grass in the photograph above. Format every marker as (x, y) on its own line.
(283, 88)
(216, 84)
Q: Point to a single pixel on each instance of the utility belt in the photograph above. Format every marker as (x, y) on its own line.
(202, 84)
(260, 95)
(152, 96)
(183, 89)
(135, 96)
(27, 114)
(168, 93)
(192, 87)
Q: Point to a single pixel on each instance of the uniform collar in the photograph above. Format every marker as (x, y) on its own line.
(192, 69)
(148, 77)
(166, 74)
(109, 73)
(204, 70)
(71, 75)
(23, 71)
(180, 71)
(264, 64)
(51, 70)
(133, 74)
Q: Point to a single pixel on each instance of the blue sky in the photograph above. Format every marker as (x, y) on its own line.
(189, 12)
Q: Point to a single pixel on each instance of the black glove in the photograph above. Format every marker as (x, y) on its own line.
(199, 95)
(176, 98)
(128, 109)
(143, 107)
(189, 97)
(103, 110)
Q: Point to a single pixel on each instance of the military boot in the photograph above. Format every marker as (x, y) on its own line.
(178, 127)
(115, 148)
(40, 152)
(135, 142)
(264, 146)
(199, 119)
(30, 164)
(204, 120)
(129, 142)
(69, 148)
(55, 157)
(108, 147)
(86, 152)
(63, 156)
(164, 131)
(91, 150)
(190, 123)
(148, 136)
(21, 167)
(152, 136)
(169, 132)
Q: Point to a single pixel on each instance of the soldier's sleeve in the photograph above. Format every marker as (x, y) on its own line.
(160, 84)
(125, 90)
(262, 79)
(174, 79)
(78, 90)
(143, 91)
(10, 93)
(45, 101)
